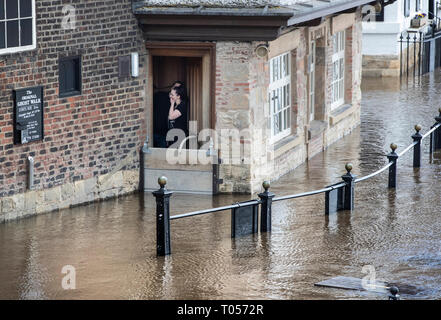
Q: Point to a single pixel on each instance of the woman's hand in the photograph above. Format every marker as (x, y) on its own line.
(173, 114)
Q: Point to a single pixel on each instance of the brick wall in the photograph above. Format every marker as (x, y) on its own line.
(86, 135)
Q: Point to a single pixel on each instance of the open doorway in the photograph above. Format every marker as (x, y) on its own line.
(167, 70)
(193, 64)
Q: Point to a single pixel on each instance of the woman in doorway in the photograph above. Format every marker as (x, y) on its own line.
(177, 116)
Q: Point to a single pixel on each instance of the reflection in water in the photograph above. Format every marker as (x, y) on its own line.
(112, 244)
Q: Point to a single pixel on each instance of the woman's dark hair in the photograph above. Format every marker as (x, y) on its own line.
(180, 91)
(180, 84)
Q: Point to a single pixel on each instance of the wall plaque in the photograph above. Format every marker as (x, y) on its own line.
(28, 115)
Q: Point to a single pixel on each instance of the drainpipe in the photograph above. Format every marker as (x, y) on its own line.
(31, 173)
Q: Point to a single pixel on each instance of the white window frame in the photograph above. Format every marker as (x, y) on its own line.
(34, 32)
(311, 63)
(406, 5)
(280, 92)
(338, 70)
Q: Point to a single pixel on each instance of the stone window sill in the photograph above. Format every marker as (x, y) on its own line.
(340, 113)
(286, 144)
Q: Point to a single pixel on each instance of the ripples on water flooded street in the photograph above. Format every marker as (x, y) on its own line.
(112, 244)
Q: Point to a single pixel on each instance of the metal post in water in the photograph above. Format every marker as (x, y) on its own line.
(393, 157)
(401, 55)
(349, 189)
(394, 293)
(265, 209)
(407, 58)
(419, 59)
(414, 54)
(417, 137)
(163, 218)
(437, 133)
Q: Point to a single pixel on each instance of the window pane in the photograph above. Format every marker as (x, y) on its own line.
(279, 68)
(272, 102)
(12, 33)
(285, 119)
(2, 35)
(2, 9)
(280, 126)
(25, 8)
(279, 99)
(342, 89)
(69, 85)
(285, 65)
(274, 70)
(77, 70)
(342, 68)
(11, 9)
(26, 32)
(284, 97)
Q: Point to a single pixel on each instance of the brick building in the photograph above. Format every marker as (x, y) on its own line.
(92, 125)
(74, 100)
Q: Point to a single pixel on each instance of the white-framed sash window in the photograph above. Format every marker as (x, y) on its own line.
(338, 70)
(17, 26)
(280, 96)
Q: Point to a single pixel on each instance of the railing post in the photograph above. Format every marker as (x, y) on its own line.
(265, 209)
(401, 55)
(163, 218)
(417, 137)
(393, 157)
(414, 54)
(419, 56)
(437, 133)
(349, 189)
(407, 58)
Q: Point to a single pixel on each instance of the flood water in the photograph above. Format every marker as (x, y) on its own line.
(112, 246)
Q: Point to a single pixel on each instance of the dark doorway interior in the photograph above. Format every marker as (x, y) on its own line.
(167, 70)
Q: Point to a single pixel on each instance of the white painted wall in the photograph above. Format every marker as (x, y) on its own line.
(381, 38)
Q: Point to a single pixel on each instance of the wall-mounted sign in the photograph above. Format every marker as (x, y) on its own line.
(28, 115)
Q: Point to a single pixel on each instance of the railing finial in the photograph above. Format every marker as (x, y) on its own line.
(418, 128)
(349, 167)
(266, 185)
(394, 147)
(162, 181)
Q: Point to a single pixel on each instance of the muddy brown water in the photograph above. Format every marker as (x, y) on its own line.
(111, 244)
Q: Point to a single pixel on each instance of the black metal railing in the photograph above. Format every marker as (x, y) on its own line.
(419, 59)
(339, 197)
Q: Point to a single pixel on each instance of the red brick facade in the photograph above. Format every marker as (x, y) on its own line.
(85, 135)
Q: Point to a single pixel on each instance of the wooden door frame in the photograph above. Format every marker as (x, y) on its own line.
(182, 49)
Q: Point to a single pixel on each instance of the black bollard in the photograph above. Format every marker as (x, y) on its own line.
(394, 293)
(163, 218)
(417, 137)
(349, 189)
(437, 133)
(265, 209)
(393, 157)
